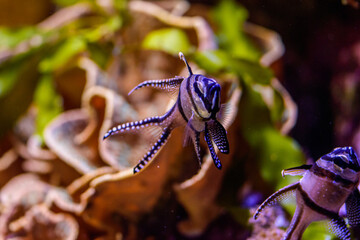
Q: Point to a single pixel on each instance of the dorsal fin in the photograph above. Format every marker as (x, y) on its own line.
(296, 170)
(182, 57)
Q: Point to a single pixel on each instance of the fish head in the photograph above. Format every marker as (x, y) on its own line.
(207, 91)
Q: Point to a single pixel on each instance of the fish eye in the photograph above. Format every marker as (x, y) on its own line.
(345, 157)
(200, 86)
(341, 162)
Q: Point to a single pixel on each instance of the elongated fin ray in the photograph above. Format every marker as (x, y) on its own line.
(218, 134)
(154, 149)
(130, 126)
(338, 227)
(296, 170)
(182, 57)
(275, 197)
(352, 205)
(211, 148)
(170, 84)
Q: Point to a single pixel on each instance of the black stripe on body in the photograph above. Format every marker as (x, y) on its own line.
(299, 222)
(337, 160)
(321, 172)
(190, 93)
(181, 110)
(168, 114)
(154, 149)
(312, 205)
(202, 96)
(341, 163)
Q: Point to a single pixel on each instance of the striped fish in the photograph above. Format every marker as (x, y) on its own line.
(197, 107)
(326, 185)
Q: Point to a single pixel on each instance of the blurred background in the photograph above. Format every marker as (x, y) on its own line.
(290, 75)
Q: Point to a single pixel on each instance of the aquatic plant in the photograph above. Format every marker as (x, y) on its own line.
(64, 82)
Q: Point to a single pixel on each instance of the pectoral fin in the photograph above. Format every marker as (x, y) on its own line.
(218, 135)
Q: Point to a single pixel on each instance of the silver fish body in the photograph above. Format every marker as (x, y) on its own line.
(197, 107)
(326, 185)
(199, 100)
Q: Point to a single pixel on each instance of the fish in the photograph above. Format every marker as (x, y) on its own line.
(197, 107)
(325, 186)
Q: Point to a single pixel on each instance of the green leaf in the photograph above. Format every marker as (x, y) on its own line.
(120, 4)
(65, 3)
(100, 53)
(273, 151)
(229, 18)
(18, 97)
(8, 76)
(262, 151)
(278, 107)
(112, 24)
(277, 152)
(252, 71)
(63, 54)
(48, 103)
(9, 38)
(215, 61)
(170, 40)
(318, 231)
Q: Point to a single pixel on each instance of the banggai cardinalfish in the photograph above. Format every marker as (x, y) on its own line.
(197, 107)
